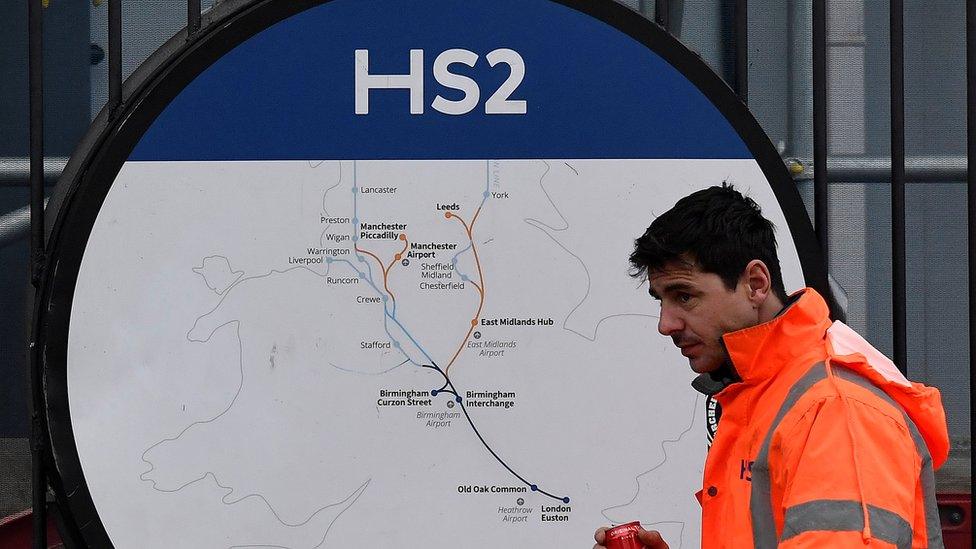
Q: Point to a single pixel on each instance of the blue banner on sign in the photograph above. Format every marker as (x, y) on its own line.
(393, 79)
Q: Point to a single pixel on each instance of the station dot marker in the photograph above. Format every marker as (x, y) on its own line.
(385, 298)
(448, 215)
(458, 399)
(486, 194)
(534, 488)
(355, 221)
(362, 276)
(328, 260)
(397, 257)
(433, 392)
(464, 278)
(474, 321)
(355, 238)
(565, 500)
(359, 257)
(354, 189)
(403, 236)
(396, 344)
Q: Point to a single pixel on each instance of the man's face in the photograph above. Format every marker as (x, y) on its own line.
(697, 309)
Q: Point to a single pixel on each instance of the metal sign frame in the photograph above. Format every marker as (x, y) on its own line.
(132, 109)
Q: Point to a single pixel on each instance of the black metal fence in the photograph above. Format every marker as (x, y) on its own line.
(663, 17)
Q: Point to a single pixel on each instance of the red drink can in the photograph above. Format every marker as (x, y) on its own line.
(623, 537)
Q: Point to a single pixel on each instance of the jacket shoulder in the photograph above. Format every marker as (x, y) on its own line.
(846, 445)
(850, 387)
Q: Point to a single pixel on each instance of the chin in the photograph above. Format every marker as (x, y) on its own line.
(701, 365)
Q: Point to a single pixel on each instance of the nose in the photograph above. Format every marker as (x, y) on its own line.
(669, 323)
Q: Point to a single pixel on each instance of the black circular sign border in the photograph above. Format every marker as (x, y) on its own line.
(97, 161)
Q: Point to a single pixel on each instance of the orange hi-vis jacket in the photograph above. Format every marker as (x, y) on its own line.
(823, 443)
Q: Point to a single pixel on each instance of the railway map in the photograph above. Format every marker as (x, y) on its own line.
(387, 351)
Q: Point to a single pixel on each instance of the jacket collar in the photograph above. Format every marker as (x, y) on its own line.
(757, 353)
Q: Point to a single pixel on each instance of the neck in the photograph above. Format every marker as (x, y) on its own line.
(770, 308)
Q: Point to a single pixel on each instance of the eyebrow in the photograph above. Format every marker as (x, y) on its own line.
(671, 288)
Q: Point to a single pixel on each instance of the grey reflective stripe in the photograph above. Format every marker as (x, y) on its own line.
(760, 502)
(833, 515)
(933, 524)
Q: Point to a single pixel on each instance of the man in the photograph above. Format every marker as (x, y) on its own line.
(822, 441)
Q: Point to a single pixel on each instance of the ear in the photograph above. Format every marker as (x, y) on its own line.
(757, 281)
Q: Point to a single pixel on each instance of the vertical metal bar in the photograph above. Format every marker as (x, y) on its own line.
(192, 16)
(36, 173)
(898, 293)
(662, 14)
(820, 126)
(35, 84)
(114, 53)
(971, 180)
(742, 50)
(800, 78)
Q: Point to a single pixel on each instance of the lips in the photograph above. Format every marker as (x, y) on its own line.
(687, 350)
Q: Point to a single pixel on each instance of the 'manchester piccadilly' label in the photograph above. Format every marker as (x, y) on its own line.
(381, 231)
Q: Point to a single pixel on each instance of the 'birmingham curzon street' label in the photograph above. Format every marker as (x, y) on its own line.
(404, 397)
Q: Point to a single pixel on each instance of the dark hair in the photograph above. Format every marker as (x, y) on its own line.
(719, 229)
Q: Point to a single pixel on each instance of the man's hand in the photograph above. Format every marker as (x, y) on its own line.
(650, 538)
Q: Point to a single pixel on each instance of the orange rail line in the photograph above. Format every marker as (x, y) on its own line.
(481, 288)
(399, 256)
(467, 230)
(473, 219)
(477, 260)
(380, 261)
(475, 284)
